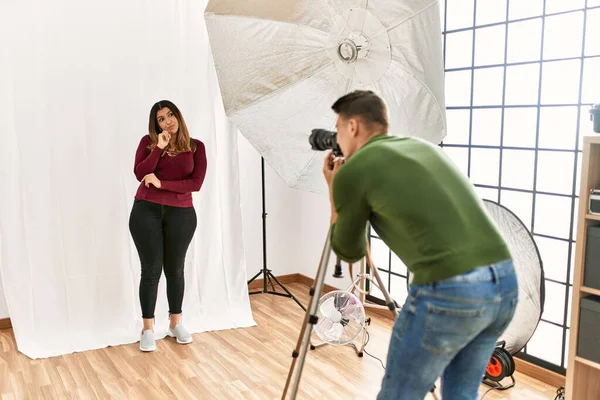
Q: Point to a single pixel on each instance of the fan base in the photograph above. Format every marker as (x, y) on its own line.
(358, 349)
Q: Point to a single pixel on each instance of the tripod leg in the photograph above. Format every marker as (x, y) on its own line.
(351, 271)
(361, 286)
(270, 282)
(254, 277)
(259, 273)
(310, 319)
(287, 291)
(391, 304)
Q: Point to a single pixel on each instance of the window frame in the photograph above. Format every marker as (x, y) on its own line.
(386, 271)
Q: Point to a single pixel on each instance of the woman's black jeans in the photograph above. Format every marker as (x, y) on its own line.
(162, 235)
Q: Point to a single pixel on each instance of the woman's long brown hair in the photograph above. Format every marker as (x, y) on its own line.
(182, 142)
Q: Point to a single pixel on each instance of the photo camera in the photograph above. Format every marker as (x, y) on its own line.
(321, 140)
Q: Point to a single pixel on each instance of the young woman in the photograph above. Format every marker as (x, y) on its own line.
(170, 166)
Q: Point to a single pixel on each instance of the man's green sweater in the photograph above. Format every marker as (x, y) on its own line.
(419, 203)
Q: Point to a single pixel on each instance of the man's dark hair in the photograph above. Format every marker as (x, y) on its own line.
(364, 104)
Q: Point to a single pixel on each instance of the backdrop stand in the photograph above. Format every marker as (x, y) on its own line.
(265, 272)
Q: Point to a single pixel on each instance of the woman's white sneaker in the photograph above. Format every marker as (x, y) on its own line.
(182, 335)
(147, 341)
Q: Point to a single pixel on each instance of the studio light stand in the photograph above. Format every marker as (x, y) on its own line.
(265, 272)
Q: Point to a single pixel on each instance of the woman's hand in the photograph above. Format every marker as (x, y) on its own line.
(163, 139)
(151, 179)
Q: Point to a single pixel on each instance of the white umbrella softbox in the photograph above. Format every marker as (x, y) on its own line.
(530, 273)
(281, 64)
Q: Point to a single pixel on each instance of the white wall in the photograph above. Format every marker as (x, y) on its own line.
(297, 223)
(3, 305)
(315, 211)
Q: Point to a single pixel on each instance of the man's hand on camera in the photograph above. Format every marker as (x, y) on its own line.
(331, 165)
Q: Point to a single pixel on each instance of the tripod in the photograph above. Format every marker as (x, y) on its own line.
(311, 319)
(266, 273)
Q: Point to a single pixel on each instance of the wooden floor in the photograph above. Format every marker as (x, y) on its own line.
(249, 363)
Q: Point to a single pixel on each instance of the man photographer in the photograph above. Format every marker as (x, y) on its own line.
(464, 289)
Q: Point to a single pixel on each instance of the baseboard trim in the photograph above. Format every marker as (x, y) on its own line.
(526, 368)
(5, 323)
(284, 279)
(541, 374)
(309, 281)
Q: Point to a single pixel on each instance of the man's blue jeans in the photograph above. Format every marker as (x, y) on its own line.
(449, 329)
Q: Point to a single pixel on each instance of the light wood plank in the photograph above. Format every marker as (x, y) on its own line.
(250, 363)
(590, 290)
(589, 363)
(594, 217)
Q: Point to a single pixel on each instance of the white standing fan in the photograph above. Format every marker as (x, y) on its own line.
(332, 329)
(341, 318)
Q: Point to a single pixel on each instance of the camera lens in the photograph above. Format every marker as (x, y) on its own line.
(322, 139)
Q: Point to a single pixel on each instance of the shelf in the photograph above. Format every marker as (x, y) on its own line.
(593, 216)
(589, 363)
(583, 376)
(590, 290)
(592, 139)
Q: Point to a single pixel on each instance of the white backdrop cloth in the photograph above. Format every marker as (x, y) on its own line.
(76, 90)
